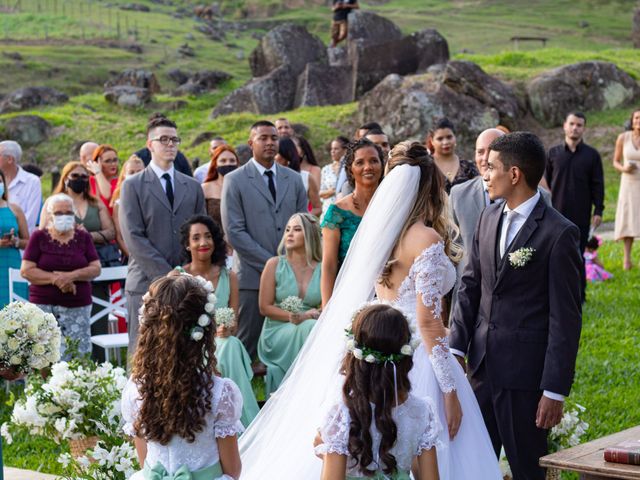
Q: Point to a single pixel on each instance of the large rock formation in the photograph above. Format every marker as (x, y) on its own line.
(367, 28)
(127, 96)
(135, 78)
(580, 86)
(31, 97)
(27, 130)
(407, 107)
(320, 84)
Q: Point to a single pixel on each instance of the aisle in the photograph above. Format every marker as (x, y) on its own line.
(18, 474)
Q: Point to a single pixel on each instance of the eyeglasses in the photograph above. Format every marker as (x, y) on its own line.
(111, 160)
(78, 176)
(164, 140)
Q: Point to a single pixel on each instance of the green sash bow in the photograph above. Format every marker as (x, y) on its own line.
(158, 472)
(399, 475)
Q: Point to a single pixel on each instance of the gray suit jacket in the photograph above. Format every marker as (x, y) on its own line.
(151, 228)
(253, 222)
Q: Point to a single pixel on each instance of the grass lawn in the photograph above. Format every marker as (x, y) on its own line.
(607, 380)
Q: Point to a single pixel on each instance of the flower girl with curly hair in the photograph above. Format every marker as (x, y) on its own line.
(379, 429)
(184, 418)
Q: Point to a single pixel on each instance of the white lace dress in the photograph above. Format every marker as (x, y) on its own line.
(418, 430)
(470, 455)
(222, 421)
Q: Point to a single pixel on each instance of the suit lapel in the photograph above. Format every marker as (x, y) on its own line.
(151, 180)
(258, 182)
(180, 190)
(489, 239)
(283, 180)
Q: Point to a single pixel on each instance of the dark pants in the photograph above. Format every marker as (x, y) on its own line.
(510, 417)
(249, 321)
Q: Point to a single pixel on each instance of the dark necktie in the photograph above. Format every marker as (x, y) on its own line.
(272, 186)
(169, 190)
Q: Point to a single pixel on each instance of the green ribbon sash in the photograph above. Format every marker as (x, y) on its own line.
(158, 472)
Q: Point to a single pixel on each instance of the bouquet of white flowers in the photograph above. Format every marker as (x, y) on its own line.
(29, 338)
(225, 317)
(292, 304)
(112, 459)
(79, 400)
(570, 429)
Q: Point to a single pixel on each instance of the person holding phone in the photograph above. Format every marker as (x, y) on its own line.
(14, 235)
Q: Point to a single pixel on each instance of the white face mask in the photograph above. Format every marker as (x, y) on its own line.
(63, 223)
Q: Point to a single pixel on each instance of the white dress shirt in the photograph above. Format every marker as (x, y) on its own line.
(262, 169)
(201, 172)
(160, 172)
(26, 192)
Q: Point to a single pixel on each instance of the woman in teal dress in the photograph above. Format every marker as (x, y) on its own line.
(364, 163)
(205, 250)
(295, 272)
(14, 235)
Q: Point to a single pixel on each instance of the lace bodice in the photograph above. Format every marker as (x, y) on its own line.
(222, 421)
(418, 429)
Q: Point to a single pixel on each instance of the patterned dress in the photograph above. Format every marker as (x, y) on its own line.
(347, 222)
(328, 180)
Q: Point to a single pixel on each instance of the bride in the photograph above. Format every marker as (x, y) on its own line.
(408, 263)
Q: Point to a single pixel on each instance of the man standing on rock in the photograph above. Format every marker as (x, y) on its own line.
(574, 175)
(340, 25)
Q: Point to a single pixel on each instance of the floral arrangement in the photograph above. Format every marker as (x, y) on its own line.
(113, 459)
(80, 399)
(29, 338)
(521, 257)
(292, 304)
(570, 429)
(225, 317)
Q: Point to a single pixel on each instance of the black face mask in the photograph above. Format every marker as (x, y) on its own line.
(224, 169)
(78, 185)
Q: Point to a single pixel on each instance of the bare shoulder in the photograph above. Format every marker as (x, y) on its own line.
(346, 202)
(271, 263)
(420, 237)
(15, 208)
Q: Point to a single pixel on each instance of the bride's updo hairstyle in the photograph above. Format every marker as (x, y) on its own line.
(431, 205)
(173, 372)
(384, 329)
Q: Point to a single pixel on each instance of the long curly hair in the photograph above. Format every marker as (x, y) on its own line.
(169, 367)
(432, 203)
(385, 329)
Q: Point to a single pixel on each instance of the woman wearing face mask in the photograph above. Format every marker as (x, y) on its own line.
(223, 161)
(91, 214)
(60, 261)
(14, 235)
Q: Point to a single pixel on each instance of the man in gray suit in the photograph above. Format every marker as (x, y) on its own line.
(257, 201)
(153, 206)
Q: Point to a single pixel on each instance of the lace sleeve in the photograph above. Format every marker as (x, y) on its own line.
(432, 428)
(333, 218)
(129, 406)
(227, 419)
(430, 269)
(335, 432)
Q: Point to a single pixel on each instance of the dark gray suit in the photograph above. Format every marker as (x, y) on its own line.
(254, 224)
(151, 231)
(520, 327)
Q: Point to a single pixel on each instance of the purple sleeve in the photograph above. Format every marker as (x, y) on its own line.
(32, 252)
(90, 249)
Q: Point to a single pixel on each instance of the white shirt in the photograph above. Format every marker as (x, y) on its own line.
(262, 169)
(26, 192)
(201, 172)
(160, 172)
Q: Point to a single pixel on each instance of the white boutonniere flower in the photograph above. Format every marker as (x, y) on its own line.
(521, 257)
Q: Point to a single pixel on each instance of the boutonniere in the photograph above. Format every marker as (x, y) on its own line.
(521, 257)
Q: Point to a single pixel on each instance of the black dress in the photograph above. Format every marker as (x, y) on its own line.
(466, 171)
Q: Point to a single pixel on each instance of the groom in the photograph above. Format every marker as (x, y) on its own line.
(518, 317)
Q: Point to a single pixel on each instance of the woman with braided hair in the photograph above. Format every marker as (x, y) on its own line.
(184, 418)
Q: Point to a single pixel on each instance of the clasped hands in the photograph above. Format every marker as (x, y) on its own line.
(298, 318)
(65, 282)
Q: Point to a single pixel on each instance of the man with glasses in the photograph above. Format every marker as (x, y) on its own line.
(153, 206)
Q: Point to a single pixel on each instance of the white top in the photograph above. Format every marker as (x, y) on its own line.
(201, 172)
(26, 192)
(305, 179)
(418, 429)
(262, 169)
(519, 216)
(222, 421)
(160, 172)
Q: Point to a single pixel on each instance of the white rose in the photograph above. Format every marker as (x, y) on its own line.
(38, 349)
(32, 329)
(204, 320)
(211, 298)
(406, 350)
(15, 360)
(370, 359)
(197, 335)
(351, 345)
(13, 343)
(209, 307)
(358, 353)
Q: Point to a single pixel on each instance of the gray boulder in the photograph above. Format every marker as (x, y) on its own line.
(31, 97)
(201, 82)
(287, 44)
(323, 85)
(586, 86)
(127, 96)
(136, 78)
(367, 28)
(27, 130)
(178, 76)
(271, 93)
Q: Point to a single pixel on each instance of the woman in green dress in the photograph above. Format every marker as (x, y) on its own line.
(295, 272)
(206, 251)
(364, 163)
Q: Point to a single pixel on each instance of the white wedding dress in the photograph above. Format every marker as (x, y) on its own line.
(279, 442)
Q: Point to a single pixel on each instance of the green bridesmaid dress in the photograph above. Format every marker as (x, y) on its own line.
(233, 360)
(280, 342)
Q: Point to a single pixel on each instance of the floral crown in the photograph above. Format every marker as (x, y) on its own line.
(368, 354)
(196, 333)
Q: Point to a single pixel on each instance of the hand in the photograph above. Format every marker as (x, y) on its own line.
(295, 318)
(94, 167)
(7, 240)
(453, 412)
(313, 313)
(223, 332)
(462, 362)
(64, 281)
(549, 413)
(596, 221)
(318, 441)
(629, 168)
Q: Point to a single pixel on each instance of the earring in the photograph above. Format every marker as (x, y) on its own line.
(188, 249)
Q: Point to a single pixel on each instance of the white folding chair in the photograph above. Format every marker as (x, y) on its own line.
(15, 277)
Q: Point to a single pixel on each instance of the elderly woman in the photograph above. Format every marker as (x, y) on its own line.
(295, 272)
(60, 261)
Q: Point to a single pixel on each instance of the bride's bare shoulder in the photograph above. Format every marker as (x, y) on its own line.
(419, 237)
